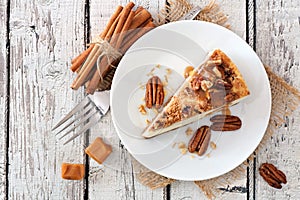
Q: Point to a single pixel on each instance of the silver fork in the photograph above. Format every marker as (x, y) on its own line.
(91, 109)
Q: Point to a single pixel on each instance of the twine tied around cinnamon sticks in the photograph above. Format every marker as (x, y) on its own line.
(107, 50)
(96, 65)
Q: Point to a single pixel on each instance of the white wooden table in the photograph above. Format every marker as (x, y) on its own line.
(37, 41)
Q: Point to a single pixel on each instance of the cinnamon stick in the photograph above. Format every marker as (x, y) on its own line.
(138, 9)
(81, 58)
(133, 32)
(77, 62)
(111, 21)
(113, 41)
(124, 14)
(104, 70)
(74, 59)
(140, 18)
(105, 66)
(150, 25)
(86, 68)
(124, 29)
(112, 28)
(92, 56)
(118, 34)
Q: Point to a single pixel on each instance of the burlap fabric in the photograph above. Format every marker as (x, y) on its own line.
(285, 99)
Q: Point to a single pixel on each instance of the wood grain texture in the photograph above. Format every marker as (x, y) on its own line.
(3, 97)
(45, 35)
(277, 41)
(236, 12)
(187, 190)
(250, 38)
(116, 180)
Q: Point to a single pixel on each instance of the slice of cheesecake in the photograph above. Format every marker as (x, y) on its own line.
(216, 83)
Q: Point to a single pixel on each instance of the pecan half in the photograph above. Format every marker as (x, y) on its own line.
(196, 82)
(154, 92)
(273, 176)
(225, 123)
(200, 140)
(225, 118)
(225, 126)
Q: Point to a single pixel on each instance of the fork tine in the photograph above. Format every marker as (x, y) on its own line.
(89, 107)
(80, 122)
(85, 128)
(79, 106)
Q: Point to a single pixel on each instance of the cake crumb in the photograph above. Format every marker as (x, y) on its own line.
(192, 156)
(183, 151)
(142, 86)
(148, 121)
(181, 145)
(142, 110)
(166, 78)
(169, 71)
(189, 131)
(165, 92)
(182, 148)
(208, 155)
(151, 72)
(188, 71)
(158, 66)
(213, 145)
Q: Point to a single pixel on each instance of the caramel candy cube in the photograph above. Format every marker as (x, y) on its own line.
(98, 150)
(72, 171)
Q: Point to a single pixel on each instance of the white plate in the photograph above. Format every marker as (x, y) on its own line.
(177, 45)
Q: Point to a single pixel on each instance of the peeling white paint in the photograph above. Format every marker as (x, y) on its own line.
(46, 34)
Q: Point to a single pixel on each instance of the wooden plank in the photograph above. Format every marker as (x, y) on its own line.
(277, 42)
(188, 190)
(250, 38)
(3, 97)
(45, 35)
(236, 13)
(120, 183)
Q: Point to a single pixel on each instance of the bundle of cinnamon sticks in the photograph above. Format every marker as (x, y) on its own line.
(125, 26)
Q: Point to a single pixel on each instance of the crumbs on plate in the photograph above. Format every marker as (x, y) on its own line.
(142, 109)
(213, 145)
